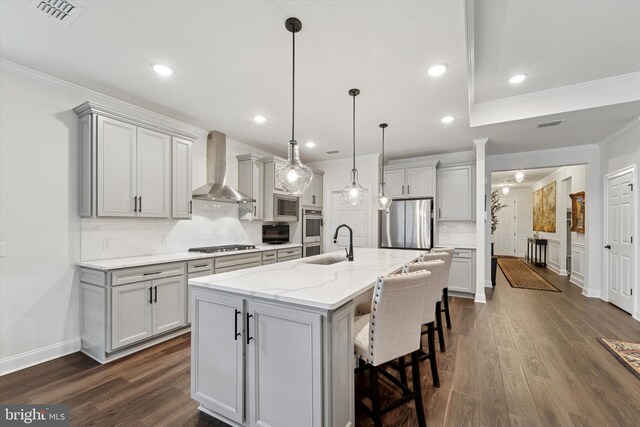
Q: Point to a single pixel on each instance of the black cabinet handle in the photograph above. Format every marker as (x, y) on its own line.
(403, 189)
(607, 246)
(254, 210)
(150, 296)
(135, 203)
(191, 207)
(408, 189)
(201, 265)
(155, 298)
(237, 334)
(140, 204)
(151, 274)
(249, 337)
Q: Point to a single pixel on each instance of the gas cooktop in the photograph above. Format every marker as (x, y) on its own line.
(225, 248)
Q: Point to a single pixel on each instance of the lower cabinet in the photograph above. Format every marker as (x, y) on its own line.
(141, 310)
(462, 275)
(278, 348)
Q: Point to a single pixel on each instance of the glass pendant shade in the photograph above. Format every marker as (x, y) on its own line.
(382, 201)
(294, 177)
(354, 193)
(505, 189)
(519, 176)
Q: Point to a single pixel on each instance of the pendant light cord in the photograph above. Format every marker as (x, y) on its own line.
(354, 132)
(293, 89)
(382, 180)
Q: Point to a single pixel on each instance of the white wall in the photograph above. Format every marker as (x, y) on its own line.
(619, 152)
(336, 176)
(39, 222)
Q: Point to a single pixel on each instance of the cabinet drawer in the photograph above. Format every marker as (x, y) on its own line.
(152, 272)
(289, 253)
(200, 265)
(463, 253)
(238, 267)
(231, 260)
(269, 255)
(270, 261)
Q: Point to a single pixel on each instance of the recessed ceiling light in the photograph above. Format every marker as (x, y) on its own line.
(259, 119)
(437, 70)
(518, 78)
(310, 144)
(163, 70)
(447, 119)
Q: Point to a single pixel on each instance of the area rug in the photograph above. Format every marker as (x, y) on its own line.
(521, 276)
(627, 353)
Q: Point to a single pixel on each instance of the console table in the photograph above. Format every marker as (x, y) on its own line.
(537, 251)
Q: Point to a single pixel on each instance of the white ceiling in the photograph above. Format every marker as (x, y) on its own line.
(531, 176)
(232, 61)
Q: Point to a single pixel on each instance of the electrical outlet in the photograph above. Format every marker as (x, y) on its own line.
(106, 243)
(163, 240)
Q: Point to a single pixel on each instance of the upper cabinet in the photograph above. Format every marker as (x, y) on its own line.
(132, 168)
(271, 166)
(313, 196)
(455, 193)
(410, 181)
(251, 183)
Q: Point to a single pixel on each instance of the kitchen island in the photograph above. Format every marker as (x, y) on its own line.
(273, 345)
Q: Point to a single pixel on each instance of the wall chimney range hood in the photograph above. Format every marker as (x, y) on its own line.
(216, 187)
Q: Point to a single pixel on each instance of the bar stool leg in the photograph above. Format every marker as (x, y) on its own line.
(375, 396)
(445, 293)
(417, 390)
(443, 347)
(432, 353)
(403, 371)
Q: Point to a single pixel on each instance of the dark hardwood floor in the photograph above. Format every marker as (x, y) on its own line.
(526, 358)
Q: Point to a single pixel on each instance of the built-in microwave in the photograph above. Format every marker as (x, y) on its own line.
(285, 208)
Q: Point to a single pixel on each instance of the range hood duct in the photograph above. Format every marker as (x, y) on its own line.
(216, 187)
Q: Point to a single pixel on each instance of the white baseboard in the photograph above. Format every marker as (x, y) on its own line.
(488, 284)
(480, 298)
(576, 281)
(39, 355)
(592, 293)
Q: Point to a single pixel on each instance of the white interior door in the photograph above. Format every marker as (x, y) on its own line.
(505, 234)
(355, 217)
(618, 240)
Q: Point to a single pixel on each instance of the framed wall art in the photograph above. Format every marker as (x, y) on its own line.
(577, 212)
(544, 209)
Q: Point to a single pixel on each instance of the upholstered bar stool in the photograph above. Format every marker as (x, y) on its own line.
(447, 257)
(391, 330)
(437, 268)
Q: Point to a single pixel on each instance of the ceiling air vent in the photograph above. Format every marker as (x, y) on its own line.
(333, 152)
(549, 124)
(62, 11)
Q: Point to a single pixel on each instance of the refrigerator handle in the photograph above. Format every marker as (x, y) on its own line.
(402, 189)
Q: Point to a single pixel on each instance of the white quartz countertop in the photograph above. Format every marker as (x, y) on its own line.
(456, 245)
(139, 261)
(319, 286)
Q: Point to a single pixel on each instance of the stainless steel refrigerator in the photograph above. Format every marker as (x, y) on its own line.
(408, 224)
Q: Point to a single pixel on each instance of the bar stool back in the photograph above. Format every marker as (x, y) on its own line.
(447, 256)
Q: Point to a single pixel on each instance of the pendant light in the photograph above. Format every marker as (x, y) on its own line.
(505, 189)
(519, 176)
(354, 193)
(294, 176)
(382, 201)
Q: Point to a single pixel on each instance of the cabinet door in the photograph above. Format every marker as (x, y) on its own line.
(307, 197)
(154, 173)
(461, 275)
(116, 152)
(217, 361)
(169, 308)
(257, 180)
(284, 367)
(318, 190)
(131, 313)
(420, 181)
(276, 167)
(394, 180)
(181, 175)
(455, 194)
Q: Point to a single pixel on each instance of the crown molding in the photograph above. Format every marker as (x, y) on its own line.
(150, 117)
(581, 96)
(574, 149)
(626, 128)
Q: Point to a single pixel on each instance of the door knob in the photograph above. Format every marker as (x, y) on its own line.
(607, 246)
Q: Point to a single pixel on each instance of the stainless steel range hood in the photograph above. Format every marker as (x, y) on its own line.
(216, 187)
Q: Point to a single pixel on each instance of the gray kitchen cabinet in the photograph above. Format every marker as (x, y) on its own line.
(410, 180)
(131, 313)
(455, 193)
(169, 307)
(131, 167)
(271, 166)
(289, 254)
(182, 204)
(251, 183)
(314, 194)
(242, 361)
(462, 274)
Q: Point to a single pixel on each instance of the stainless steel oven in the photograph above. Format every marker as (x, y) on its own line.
(312, 225)
(310, 249)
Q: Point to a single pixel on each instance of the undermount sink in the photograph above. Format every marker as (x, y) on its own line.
(327, 260)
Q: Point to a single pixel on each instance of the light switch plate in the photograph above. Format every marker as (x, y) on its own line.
(3, 249)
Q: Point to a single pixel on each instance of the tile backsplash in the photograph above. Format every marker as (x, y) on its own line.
(458, 232)
(212, 224)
